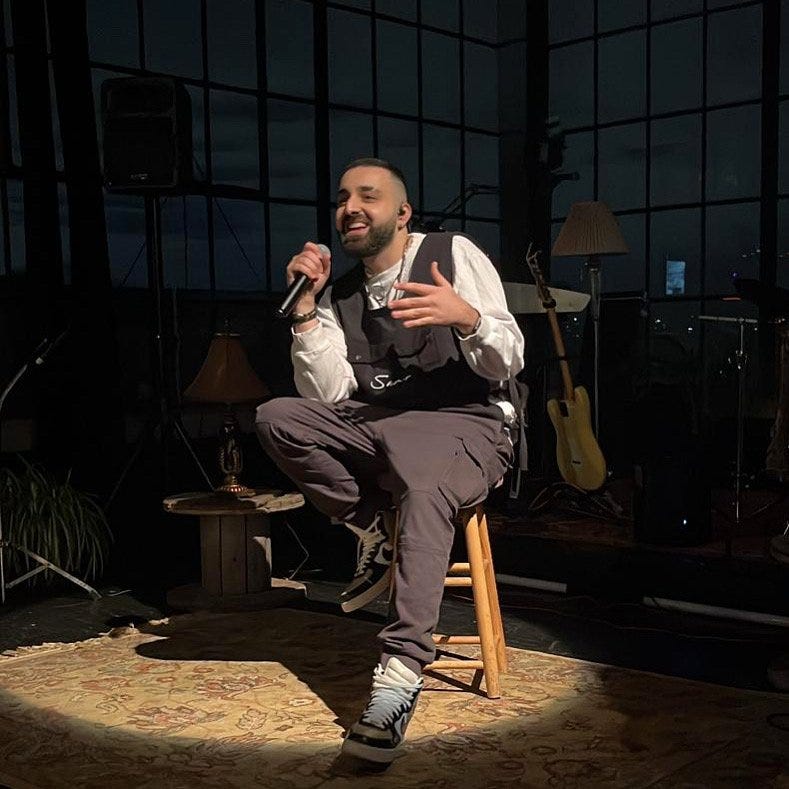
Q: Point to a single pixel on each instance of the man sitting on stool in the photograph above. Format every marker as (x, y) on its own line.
(403, 369)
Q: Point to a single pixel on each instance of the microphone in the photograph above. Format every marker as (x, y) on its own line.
(48, 347)
(296, 287)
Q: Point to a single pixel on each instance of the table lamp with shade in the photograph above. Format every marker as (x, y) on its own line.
(227, 377)
(591, 230)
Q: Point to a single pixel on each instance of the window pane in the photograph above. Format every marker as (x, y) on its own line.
(572, 84)
(666, 9)
(622, 166)
(481, 82)
(198, 131)
(398, 141)
(783, 148)
(291, 227)
(112, 32)
(405, 9)
(568, 19)
(578, 158)
(65, 232)
(350, 137)
(784, 55)
(675, 236)
(482, 168)
(622, 83)
(677, 52)
(231, 43)
(734, 153)
(9, 39)
(350, 75)
(289, 59)
(173, 38)
(239, 245)
(291, 149)
(397, 68)
(488, 237)
(442, 174)
(480, 20)
(675, 175)
(3, 261)
(234, 139)
(783, 243)
(16, 221)
(13, 116)
(614, 14)
(185, 242)
(125, 217)
(440, 77)
(355, 3)
(626, 272)
(734, 56)
(444, 14)
(732, 231)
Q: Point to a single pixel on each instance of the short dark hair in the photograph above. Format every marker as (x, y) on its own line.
(371, 161)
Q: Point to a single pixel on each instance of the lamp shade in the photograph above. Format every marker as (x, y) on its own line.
(590, 229)
(226, 375)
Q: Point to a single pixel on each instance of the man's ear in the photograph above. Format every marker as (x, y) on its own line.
(404, 214)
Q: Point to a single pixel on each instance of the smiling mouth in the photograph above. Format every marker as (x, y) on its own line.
(355, 229)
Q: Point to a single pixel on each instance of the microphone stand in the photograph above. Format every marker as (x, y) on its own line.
(457, 203)
(39, 355)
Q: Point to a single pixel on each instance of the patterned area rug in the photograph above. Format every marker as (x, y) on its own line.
(261, 699)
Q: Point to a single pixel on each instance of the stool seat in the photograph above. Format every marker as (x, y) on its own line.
(477, 574)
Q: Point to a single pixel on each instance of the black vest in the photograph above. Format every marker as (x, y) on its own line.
(418, 368)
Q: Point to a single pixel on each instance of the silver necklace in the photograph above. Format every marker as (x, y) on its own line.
(379, 292)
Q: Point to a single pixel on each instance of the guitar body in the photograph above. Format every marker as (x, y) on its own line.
(578, 455)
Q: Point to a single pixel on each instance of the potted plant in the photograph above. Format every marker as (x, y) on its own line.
(45, 515)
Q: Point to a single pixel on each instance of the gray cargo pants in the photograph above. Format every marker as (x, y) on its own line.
(351, 459)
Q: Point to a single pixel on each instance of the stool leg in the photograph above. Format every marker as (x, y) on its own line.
(482, 604)
(493, 594)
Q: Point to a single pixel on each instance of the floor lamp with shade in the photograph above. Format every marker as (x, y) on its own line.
(591, 230)
(227, 378)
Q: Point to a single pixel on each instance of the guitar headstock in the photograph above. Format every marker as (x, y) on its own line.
(539, 280)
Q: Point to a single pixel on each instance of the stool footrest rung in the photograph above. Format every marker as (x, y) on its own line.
(454, 665)
(459, 567)
(450, 581)
(441, 639)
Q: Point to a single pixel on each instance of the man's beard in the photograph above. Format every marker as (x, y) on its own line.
(377, 238)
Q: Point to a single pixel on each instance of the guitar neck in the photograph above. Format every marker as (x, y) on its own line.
(569, 390)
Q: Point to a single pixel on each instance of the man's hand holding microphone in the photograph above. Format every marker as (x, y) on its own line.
(307, 273)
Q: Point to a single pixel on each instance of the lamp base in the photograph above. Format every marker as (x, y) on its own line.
(233, 487)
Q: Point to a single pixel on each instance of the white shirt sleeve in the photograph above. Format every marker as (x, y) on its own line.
(321, 370)
(495, 350)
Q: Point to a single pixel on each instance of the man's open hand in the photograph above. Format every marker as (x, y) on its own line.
(433, 305)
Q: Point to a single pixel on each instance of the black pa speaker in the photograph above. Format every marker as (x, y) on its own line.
(147, 130)
(672, 503)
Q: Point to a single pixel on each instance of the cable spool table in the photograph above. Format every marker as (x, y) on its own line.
(235, 551)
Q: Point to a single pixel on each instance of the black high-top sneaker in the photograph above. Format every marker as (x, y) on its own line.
(373, 566)
(378, 735)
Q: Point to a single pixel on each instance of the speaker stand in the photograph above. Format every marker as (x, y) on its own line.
(163, 422)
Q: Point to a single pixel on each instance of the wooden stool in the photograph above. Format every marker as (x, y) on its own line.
(477, 573)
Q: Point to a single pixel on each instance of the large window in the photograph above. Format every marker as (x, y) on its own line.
(663, 104)
(283, 93)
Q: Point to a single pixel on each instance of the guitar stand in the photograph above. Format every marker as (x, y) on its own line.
(598, 504)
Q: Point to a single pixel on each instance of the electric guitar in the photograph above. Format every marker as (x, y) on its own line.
(578, 455)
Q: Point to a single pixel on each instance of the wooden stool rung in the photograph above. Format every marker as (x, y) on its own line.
(441, 639)
(450, 581)
(459, 567)
(454, 665)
